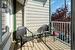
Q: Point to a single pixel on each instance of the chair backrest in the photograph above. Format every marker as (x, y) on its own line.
(43, 28)
(21, 31)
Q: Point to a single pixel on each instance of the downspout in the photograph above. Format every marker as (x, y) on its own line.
(23, 16)
(50, 16)
(23, 13)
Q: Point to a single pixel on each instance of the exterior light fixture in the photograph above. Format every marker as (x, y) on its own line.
(42, 1)
(4, 6)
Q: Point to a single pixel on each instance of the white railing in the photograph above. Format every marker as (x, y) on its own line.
(63, 29)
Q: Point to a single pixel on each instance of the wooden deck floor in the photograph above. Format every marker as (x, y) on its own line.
(56, 45)
(49, 45)
(37, 46)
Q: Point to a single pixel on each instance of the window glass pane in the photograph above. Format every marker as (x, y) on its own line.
(5, 16)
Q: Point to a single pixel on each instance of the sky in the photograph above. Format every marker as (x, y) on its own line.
(59, 3)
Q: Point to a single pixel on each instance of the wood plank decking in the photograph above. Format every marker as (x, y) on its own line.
(56, 45)
(49, 45)
(37, 46)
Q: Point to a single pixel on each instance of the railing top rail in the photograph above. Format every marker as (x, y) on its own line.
(60, 22)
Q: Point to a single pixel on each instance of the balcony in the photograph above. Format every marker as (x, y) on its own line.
(60, 41)
(50, 42)
(34, 15)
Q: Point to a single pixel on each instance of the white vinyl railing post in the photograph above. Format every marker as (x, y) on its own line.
(52, 28)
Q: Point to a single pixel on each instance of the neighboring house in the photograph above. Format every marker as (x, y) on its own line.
(6, 24)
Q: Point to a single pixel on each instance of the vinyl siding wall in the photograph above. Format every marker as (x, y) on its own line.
(18, 14)
(36, 14)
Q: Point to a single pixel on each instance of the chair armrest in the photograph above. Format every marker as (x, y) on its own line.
(30, 31)
(46, 31)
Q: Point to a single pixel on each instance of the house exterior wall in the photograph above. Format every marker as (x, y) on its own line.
(18, 14)
(36, 14)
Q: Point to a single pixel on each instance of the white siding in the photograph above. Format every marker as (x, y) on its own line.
(3, 21)
(18, 19)
(18, 14)
(36, 15)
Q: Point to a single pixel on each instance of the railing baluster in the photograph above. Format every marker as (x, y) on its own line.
(62, 29)
(68, 33)
(52, 27)
(65, 32)
(59, 30)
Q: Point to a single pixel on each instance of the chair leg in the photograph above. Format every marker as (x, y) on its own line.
(33, 41)
(45, 37)
(16, 45)
(21, 44)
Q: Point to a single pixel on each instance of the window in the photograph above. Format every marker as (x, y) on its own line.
(5, 16)
(5, 19)
(42, 1)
